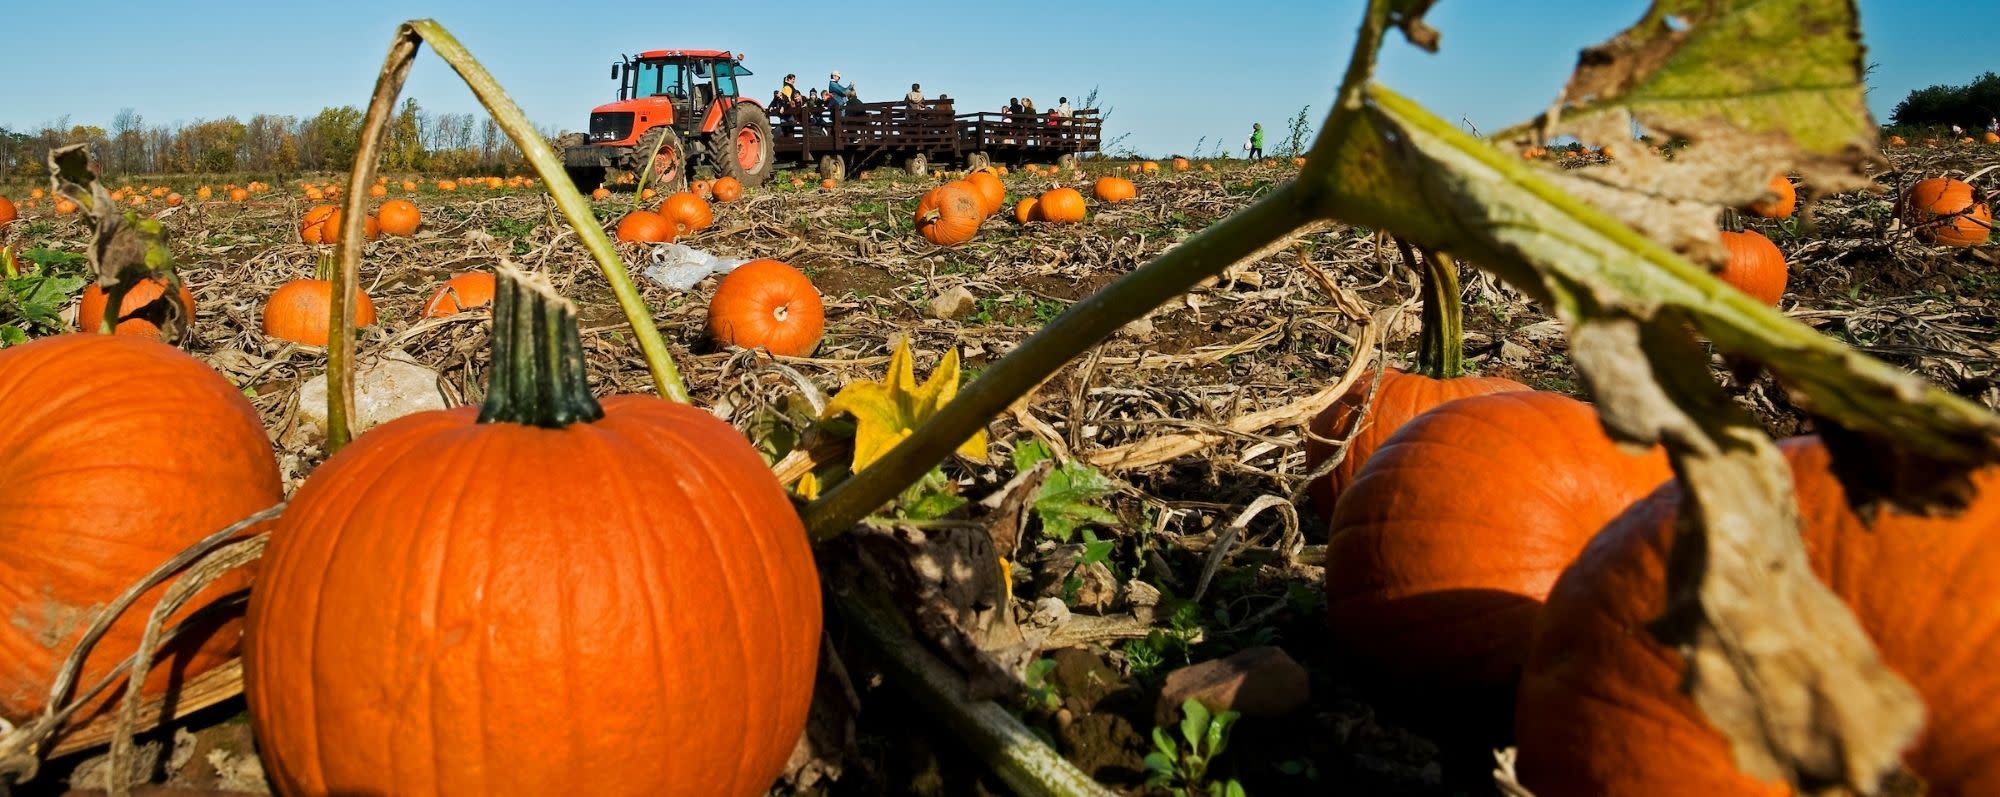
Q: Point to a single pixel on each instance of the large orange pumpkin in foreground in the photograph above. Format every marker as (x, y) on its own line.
(137, 302)
(100, 483)
(770, 304)
(949, 214)
(1943, 211)
(535, 596)
(1449, 538)
(1755, 266)
(460, 293)
(301, 311)
(1600, 711)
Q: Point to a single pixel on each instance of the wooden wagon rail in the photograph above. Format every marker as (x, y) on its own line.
(841, 142)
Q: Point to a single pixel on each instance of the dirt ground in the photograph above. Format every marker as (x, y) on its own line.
(1266, 336)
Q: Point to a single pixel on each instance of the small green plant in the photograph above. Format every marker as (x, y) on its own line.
(1300, 131)
(1039, 696)
(35, 286)
(1184, 771)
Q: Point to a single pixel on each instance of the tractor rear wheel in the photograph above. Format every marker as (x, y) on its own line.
(667, 172)
(742, 147)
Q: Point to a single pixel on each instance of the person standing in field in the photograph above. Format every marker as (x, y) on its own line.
(1256, 140)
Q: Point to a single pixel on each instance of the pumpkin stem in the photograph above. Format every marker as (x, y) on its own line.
(538, 368)
(1732, 221)
(1441, 346)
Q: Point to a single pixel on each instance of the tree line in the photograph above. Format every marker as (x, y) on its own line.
(1971, 106)
(419, 141)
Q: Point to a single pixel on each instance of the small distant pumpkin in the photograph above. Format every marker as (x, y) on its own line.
(689, 211)
(700, 188)
(728, 189)
(235, 195)
(600, 193)
(378, 190)
(1061, 206)
(462, 292)
(1024, 210)
(829, 184)
(1181, 164)
(949, 214)
(766, 303)
(447, 185)
(312, 226)
(1782, 205)
(301, 311)
(1114, 189)
(992, 193)
(399, 217)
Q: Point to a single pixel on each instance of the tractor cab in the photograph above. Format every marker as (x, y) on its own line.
(676, 110)
(688, 89)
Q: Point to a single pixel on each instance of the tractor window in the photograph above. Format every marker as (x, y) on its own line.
(660, 78)
(725, 80)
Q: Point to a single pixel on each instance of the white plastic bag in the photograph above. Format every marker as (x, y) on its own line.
(679, 266)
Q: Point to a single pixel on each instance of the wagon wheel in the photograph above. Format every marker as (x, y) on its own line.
(1066, 161)
(742, 147)
(977, 161)
(917, 165)
(832, 167)
(668, 171)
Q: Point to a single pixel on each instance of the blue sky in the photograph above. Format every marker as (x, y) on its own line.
(1171, 71)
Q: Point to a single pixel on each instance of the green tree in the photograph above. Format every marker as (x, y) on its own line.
(1970, 106)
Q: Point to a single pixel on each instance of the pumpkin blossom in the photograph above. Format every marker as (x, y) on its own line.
(885, 412)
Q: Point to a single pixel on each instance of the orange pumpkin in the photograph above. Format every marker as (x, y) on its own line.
(100, 486)
(1114, 189)
(600, 193)
(1600, 710)
(447, 185)
(645, 226)
(301, 311)
(1061, 206)
(700, 188)
(1943, 211)
(689, 211)
(949, 215)
(992, 193)
(766, 303)
(1990, 137)
(1024, 210)
(1786, 200)
(1180, 164)
(371, 228)
(8, 212)
(135, 310)
(829, 184)
(399, 217)
(460, 293)
(235, 195)
(312, 227)
(378, 190)
(174, 200)
(505, 545)
(1755, 266)
(727, 189)
(1439, 577)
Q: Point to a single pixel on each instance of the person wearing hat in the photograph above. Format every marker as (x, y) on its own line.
(838, 93)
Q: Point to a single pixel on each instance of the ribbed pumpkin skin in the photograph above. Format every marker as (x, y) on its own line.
(770, 304)
(1929, 202)
(301, 311)
(627, 606)
(949, 215)
(1403, 396)
(1599, 712)
(90, 307)
(1756, 266)
(1449, 538)
(99, 484)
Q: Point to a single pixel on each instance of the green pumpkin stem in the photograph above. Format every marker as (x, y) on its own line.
(1732, 221)
(1441, 347)
(537, 376)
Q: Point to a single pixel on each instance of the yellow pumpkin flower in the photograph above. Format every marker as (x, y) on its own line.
(885, 412)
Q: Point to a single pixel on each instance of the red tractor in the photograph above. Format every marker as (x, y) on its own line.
(676, 110)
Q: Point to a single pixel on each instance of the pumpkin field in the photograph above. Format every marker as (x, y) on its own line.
(1418, 464)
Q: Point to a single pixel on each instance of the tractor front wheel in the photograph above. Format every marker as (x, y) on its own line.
(742, 147)
(667, 170)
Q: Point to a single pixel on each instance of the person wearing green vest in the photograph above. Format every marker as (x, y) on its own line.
(1256, 140)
